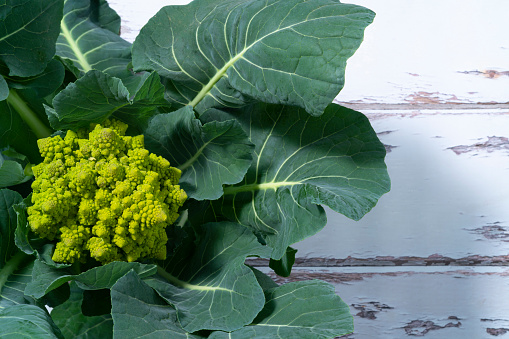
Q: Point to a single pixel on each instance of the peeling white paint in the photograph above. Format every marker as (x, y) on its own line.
(425, 46)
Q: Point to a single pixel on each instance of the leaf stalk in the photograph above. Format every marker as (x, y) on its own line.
(28, 116)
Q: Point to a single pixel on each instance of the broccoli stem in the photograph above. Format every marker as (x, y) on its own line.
(29, 117)
(11, 266)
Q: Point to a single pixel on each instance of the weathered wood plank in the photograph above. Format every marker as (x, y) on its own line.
(450, 175)
(430, 302)
(453, 51)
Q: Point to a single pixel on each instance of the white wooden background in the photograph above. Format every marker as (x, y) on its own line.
(431, 259)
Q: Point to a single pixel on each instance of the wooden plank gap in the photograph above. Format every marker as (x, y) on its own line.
(473, 108)
(380, 261)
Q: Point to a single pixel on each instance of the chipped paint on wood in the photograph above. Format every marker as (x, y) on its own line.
(493, 144)
(423, 97)
(379, 261)
(419, 328)
(370, 309)
(380, 111)
(488, 73)
(493, 231)
(497, 331)
(335, 275)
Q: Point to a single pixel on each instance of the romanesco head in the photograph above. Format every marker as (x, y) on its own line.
(102, 194)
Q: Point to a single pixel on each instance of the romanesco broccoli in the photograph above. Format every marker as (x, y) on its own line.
(105, 195)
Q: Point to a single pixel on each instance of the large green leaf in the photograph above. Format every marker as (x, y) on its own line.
(28, 31)
(11, 173)
(212, 288)
(89, 37)
(14, 132)
(12, 291)
(139, 312)
(8, 223)
(4, 89)
(97, 95)
(304, 310)
(28, 242)
(283, 266)
(264, 280)
(14, 168)
(104, 16)
(47, 278)
(209, 155)
(301, 161)
(43, 83)
(74, 325)
(217, 54)
(24, 238)
(15, 266)
(27, 321)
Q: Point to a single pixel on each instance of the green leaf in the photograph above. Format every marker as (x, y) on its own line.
(4, 89)
(43, 83)
(27, 321)
(11, 173)
(12, 291)
(139, 312)
(105, 276)
(8, 223)
(74, 325)
(14, 168)
(212, 288)
(15, 266)
(14, 132)
(28, 31)
(47, 278)
(209, 155)
(301, 161)
(97, 95)
(283, 266)
(23, 237)
(89, 37)
(264, 280)
(29, 242)
(304, 310)
(227, 53)
(105, 17)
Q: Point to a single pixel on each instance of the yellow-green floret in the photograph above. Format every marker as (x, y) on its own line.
(105, 196)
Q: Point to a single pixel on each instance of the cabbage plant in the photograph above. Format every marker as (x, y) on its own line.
(237, 95)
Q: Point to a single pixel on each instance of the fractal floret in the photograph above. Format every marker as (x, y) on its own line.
(101, 193)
